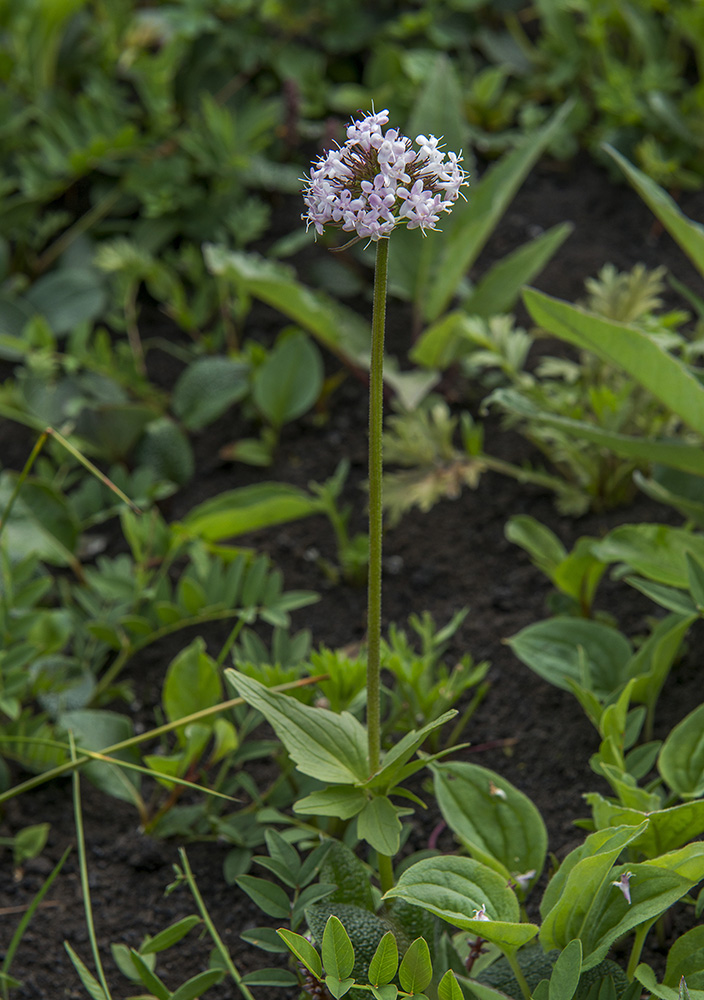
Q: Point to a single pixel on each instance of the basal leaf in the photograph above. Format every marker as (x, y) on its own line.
(329, 747)
(656, 551)
(566, 972)
(499, 825)
(681, 760)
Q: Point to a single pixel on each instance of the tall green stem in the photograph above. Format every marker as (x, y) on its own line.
(376, 405)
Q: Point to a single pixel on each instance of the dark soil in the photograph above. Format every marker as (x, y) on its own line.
(455, 556)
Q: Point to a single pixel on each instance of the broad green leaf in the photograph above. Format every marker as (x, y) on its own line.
(566, 972)
(170, 935)
(439, 109)
(68, 296)
(40, 523)
(542, 545)
(558, 649)
(689, 234)
(165, 449)
(303, 950)
(645, 975)
(192, 683)
(288, 383)
(674, 454)
(269, 897)
(686, 958)
(416, 969)
(681, 760)
(625, 347)
(473, 221)
(651, 664)
(342, 867)
(329, 747)
(337, 950)
(656, 551)
(572, 887)
(498, 290)
(384, 963)
(207, 389)
(465, 893)
(440, 344)
(378, 823)
(449, 988)
(498, 825)
(249, 508)
(388, 992)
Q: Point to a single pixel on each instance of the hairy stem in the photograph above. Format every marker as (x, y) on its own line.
(376, 401)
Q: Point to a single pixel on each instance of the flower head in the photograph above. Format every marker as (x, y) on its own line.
(377, 181)
(624, 884)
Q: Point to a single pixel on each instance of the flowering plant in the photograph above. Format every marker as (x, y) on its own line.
(377, 181)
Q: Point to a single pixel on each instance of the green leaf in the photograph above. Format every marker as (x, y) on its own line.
(207, 389)
(449, 988)
(192, 683)
(497, 291)
(473, 221)
(566, 972)
(498, 825)
(681, 759)
(170, 935)
(416, 970)
(388, 992)
(270, 977)
(303, 950)
(197, 985)
(384, 963)
(689, 235)
(329, 747)
(166, 451)
(288, 383)
(625, 347)
(558, 649)
(341, 801)
(656, 551)
(68, 296)
(91, 984)
(265, 938)
(439, 108)
(645, 975)
(337, 950)
(270, 898)
(686, 958)
(378, 823)
(695, 572)
(95, 729)
(249, 508)
(338, 987)
(393, 762)
(149, 978)
(464, 893)
(343, 868)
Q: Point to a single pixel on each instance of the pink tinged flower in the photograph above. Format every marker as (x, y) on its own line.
(377, 181)
(481, 913)
(523, 881)
(624, 885)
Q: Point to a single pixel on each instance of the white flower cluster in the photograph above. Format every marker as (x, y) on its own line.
(377, 181)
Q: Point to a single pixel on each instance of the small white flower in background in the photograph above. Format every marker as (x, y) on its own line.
(378, 181)
(624, 884)
(481, 913)
(524, 880)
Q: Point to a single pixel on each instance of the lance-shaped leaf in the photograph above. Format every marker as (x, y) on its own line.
(499, 825)
(327, 746)
(681, 760)
(566, 972)
(467, 894)
(626, 347)
(392, 769)
(686, 958)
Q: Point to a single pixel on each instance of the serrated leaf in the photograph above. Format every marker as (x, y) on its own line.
(337, 950)
(416, 969)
